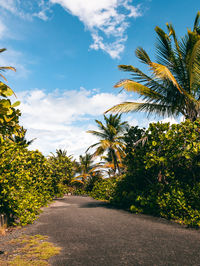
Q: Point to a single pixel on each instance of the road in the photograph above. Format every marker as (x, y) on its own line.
(91, 233)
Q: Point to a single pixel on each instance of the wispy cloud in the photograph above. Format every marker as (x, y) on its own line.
(27, 9)
(107, 20)
(60, 119)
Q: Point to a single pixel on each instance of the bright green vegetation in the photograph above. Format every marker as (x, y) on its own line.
(28, 180)
(154, 171)
(30, 251)
(162, 175)
(160, 166)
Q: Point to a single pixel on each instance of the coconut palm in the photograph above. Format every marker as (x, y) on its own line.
(111, 139)
(173, 88)
(86, 167)
(108, 168)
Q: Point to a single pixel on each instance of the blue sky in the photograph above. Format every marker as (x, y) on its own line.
(66, 53)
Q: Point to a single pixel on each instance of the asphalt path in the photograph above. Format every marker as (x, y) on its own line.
(92, 233)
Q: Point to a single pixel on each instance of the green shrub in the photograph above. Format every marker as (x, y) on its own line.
(26, 182)
(103, 189)
(163, 173)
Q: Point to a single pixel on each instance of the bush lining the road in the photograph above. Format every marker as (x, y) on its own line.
(163, 175)
(27, 182)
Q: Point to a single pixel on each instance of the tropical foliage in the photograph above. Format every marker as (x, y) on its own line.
(9, 116)
(20, 138)
(111, 140)
(163, 173)
(62, 168)
(173, 88)
(153, 171)
(103, 189)
(25, 182)
(88, 172)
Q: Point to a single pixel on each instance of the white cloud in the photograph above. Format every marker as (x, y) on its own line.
(27, 9)
(106, 19)
(61, 119)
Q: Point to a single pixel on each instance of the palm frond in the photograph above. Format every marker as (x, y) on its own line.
(7, 68)
(92, 146)
(193, 68)
(197, 22)
(142, 56)
(124, 107)
(97, 133)
(159, 109)
(163, 72)
(165, 53)
(105, 143)
(99, 151)
(132, 86)
(2, 50)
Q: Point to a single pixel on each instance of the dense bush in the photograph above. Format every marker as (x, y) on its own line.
(27, 182)
(62, 171)
(103, 189)
(163, 173)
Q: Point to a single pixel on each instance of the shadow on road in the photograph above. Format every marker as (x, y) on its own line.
(99, 204)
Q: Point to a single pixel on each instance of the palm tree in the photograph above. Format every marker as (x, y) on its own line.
(86, 168)
(108, 168)
(173, 88)
(111, 139)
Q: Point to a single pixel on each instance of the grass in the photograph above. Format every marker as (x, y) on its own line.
(29, 251)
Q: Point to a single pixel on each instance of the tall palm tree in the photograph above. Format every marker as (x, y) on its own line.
(111, 139)
(86, 167)
(173, 87)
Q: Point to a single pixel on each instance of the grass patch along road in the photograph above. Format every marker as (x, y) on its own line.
(28, 250)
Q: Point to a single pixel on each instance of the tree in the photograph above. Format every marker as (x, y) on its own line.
(173, 88)
(20, 138)
(111, 139)
(9, 116)
(62, 167)
(87, 170)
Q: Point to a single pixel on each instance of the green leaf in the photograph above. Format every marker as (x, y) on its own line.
(5, 103)
(154, 143)
(17, 103)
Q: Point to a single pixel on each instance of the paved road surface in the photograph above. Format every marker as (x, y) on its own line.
(93, 234)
